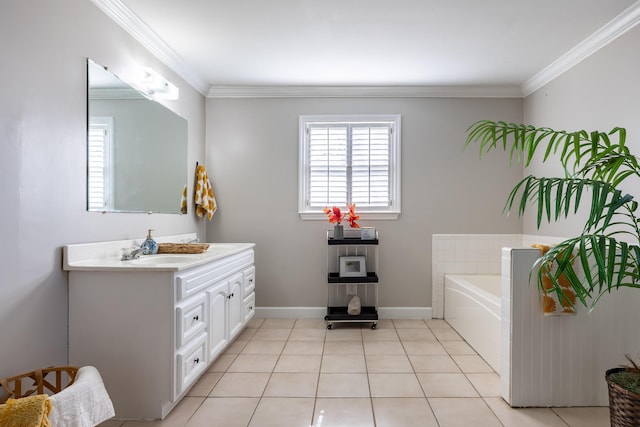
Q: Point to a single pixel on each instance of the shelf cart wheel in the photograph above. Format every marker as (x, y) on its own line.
(329, 325)
(374, 326)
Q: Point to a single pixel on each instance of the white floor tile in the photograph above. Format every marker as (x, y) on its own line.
(405, 373)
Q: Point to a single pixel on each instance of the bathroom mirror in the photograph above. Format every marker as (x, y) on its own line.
(136, 149)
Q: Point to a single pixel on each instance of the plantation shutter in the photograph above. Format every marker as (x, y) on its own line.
(97, 166)
(370, 165)
(349, 163)
(328, 149)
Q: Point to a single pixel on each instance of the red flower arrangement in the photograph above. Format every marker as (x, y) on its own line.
(336, 216)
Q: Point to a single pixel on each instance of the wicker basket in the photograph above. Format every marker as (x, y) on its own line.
(182, 248)
(624, 405)
(41, 381)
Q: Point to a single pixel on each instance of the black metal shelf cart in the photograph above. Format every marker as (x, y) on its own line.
(352, 270)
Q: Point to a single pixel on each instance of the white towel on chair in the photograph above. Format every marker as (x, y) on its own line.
(85, 403)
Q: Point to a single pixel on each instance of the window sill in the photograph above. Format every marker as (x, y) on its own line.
(364, 216)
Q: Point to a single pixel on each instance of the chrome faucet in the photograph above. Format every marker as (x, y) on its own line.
(196, 240)
(135, 253)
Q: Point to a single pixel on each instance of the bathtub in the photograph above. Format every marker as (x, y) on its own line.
(472, 308)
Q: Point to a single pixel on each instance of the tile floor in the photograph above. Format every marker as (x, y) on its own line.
(296, 373)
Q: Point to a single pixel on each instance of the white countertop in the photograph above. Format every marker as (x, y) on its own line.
(105, 256)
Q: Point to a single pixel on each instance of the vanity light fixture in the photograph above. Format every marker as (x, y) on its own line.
(153, 84)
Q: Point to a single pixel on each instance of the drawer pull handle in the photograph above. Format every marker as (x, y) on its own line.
(196, 317)
(197, 360)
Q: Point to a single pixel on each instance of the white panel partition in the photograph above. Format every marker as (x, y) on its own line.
(560, 360)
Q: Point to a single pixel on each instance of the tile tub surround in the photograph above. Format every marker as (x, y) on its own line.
(465, 254)
(401, 374)
(471, 254)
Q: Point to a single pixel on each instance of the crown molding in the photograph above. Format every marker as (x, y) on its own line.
(364, 92)
(129, 21)
(619, 25)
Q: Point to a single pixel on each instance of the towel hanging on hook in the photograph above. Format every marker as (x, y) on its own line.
(204, 197)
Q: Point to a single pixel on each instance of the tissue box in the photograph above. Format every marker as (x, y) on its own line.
(367, 233)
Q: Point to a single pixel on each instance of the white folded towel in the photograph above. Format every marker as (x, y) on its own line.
(85, 403)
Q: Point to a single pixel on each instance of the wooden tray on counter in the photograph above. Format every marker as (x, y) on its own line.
(182, 248)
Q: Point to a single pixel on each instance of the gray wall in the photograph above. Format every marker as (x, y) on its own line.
(600, 93)
(42, 166)
(252, 154)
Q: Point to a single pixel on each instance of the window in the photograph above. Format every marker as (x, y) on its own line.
(350, 159)
(99, 163)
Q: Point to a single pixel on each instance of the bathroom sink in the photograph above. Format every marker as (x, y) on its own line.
(165, 259)
(216, 248)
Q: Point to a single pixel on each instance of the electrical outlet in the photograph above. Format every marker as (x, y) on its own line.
(352, 289)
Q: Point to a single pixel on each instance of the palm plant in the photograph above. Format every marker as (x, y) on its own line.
(606, 255)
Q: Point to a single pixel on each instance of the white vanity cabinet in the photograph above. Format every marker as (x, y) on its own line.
(152, 332)
(227, 310)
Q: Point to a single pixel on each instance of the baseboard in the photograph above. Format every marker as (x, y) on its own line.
(405, 312)
(290, 312)
(319, 312)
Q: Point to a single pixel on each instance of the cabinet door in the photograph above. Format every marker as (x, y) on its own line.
(236, 305)
(218, 318)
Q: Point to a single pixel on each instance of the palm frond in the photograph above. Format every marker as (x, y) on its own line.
(592, 265)
(552, 199)
(589, 155)
(611, 166)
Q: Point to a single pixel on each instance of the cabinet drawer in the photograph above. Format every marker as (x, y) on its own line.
(191, 318)
(190, 363)
(249, 280)
(249, 307)
(198, 279)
